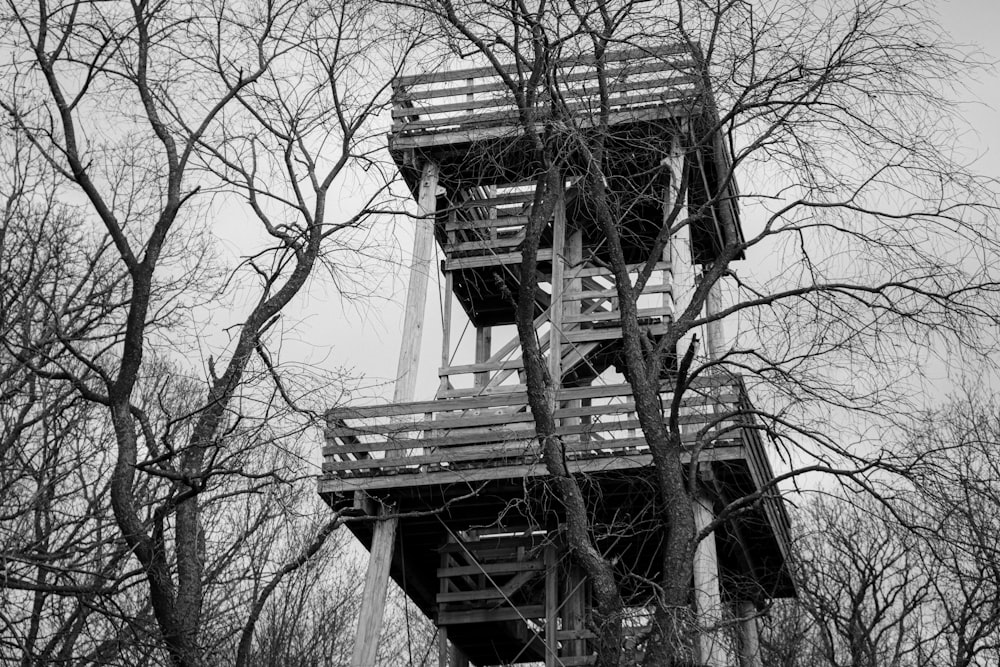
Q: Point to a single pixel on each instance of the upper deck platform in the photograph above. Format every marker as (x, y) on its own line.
(448, 108)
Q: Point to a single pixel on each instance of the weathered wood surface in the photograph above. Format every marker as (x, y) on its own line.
(491, 436)
(484, 432)
(465, 105)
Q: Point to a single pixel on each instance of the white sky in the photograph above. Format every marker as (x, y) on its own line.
(365, 336)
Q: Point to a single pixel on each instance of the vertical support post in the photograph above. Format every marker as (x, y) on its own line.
(449, 284)
(749, 637)
(707, 597)
(377, 576)
(416, 293)
(556, 307)
(484, 347)
(574, 256)
(714, 331)
(573, 611)
(373, 597)
(551, 606)
(682, 275)
(443, 646)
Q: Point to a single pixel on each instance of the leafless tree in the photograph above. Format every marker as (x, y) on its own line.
(158, 121)
(954, 501)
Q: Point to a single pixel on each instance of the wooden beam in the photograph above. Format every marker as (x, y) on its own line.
(416, 293)
(714, 332)
(484, 343)
(496, 471)
(373, 597)
(377, 576)
(682, 276)
(551, 606)
(749, 637)
(707, 596)
(443, 647)
(556, 311)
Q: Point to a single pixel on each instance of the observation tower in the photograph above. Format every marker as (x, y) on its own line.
(468, 524)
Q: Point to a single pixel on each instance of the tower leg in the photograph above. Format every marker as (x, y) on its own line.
(749, 638)
(373, 598)
(708, 600)
(377, 576)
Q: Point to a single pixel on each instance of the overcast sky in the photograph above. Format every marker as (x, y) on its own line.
(367, 338)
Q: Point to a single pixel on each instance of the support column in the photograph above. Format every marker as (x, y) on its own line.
(682, 274)
(714, 331)
(484, 347)
(551, 606)
(377, 576)
(447, 298)
(707, 597)
(556, 305)
(749, 635)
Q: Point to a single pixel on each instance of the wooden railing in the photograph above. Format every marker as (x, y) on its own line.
(591, 318)
(493, 436)
(445, 107)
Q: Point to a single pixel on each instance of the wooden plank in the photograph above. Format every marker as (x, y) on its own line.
(518, 450)
(486, 223)
(621, 80)
(619, 90)
(591, 271)
(507, 396)
(612, 315)
(610, 333)
(399, 141)
(625, 55)
(633, 70)
(489, 245)
(471, 476)
(523, 450)
(498, 391)
(472, 596)
(612, 292)
(491, 568)
(463, 424)
(502, 441)
(506, 437)
(506, 199)
(513, 364)
(490, 615)
(492, 548)
(509, 115)
(494, 399)
(489, 419)
(491, 260)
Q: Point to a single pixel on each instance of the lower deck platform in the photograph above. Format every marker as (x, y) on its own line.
(454, 470)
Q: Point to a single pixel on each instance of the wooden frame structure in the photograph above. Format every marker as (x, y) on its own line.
(468, 526)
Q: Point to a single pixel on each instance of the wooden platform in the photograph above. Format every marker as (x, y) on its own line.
(470, 105)
(468, 461)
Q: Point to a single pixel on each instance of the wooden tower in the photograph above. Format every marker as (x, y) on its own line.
(476, 541)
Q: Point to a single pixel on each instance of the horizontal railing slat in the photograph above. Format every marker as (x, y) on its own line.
(624, 55)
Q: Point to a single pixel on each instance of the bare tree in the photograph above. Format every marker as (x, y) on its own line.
(159, 120)
(954, 501)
